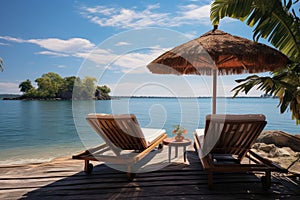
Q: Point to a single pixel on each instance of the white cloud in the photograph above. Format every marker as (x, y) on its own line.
(9, 88)
(12, 39)
(51, 53)
(131, 62)
(191, 35)
(55, 46)
(150, 16)
(68, 46)
(122, 44)
(136, 62)
(3, 44)
(192, 14)
(99, 56)
(100, 9)
(124, 18)
(82, 48)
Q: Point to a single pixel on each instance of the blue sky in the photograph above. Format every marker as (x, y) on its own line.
(110, 40)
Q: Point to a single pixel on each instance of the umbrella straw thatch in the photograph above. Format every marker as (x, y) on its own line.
(217, 52)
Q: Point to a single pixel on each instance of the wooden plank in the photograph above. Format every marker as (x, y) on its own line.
(155, 191)
(64, 180)
(119, 182)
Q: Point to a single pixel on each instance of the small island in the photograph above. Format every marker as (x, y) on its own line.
(52, 86)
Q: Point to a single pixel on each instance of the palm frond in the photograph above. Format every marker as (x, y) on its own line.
(272, 20)
(227, 8)
(285, 84)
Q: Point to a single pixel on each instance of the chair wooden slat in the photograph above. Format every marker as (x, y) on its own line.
(119, 132)
(237, 135)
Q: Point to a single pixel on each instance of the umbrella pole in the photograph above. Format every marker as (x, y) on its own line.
(214, 98)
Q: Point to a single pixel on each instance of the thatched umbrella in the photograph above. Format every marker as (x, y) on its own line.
(217, 52)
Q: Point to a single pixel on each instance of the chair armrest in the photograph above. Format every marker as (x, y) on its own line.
(150, 148)
(267, 162)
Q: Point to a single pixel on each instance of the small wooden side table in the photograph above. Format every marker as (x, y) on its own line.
(171, 142)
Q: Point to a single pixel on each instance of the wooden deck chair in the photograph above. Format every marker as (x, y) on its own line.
(226, 140)
(121, 133)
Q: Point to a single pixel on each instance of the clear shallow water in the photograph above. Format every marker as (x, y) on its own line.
(36, 131)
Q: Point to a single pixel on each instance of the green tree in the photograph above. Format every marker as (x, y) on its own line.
(66, 89)
(52, 85)
(25, 86)
(77, 90)
(45, 88)
(89, 85)
(69, 83)
(49, 85)
(84, 88)
(102, 91)
(277, 22)
(32, 93)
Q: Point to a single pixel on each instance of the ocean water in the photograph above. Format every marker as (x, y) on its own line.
(37, 131)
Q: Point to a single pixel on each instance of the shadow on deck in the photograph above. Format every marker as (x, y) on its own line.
(178, 180)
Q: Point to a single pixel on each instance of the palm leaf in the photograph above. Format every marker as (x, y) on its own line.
(272, 20)
(284, 84)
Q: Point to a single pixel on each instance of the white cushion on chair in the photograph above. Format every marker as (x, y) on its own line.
(200, 135)
(151, 134)
(199, 132)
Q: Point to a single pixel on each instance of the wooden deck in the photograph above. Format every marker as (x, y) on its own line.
(64, 179)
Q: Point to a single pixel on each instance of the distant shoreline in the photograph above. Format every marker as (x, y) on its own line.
(200, 97)
(10, 97)
(17, 97)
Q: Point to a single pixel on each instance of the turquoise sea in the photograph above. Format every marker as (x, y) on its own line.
(37, 131)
